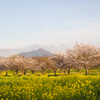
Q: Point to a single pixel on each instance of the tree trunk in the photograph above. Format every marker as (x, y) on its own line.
(54, 72)
(32, 71)
(68, 70)
(24, 72)
(17, 71)
(87, 72)
(42, 72)
(6, 73)
(64, 72)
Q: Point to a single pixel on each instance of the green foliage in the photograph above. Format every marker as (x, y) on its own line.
(42, 87)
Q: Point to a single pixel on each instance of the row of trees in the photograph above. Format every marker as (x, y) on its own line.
(80, 57)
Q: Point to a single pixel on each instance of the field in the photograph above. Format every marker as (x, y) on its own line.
(50, 87)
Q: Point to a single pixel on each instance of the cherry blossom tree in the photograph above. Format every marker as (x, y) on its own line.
(32, 64)
(18, 63)
(3, 65)
(42, 63)
(82, 53)
(59, 62)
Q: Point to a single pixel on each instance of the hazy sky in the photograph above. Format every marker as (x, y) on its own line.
(49, 22)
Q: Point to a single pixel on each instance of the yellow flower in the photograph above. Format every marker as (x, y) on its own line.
(6, 98)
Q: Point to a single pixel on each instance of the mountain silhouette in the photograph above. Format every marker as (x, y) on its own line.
(40, 52)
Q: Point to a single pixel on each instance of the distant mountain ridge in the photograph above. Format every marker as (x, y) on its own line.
(27, 48)
(40, 52)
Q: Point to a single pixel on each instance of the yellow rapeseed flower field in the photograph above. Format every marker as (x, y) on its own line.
(44, 87)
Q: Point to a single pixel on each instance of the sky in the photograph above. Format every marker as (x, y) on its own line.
(49, 22)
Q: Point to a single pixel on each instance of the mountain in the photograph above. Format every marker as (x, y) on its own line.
(40, 52)
(9, 51)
